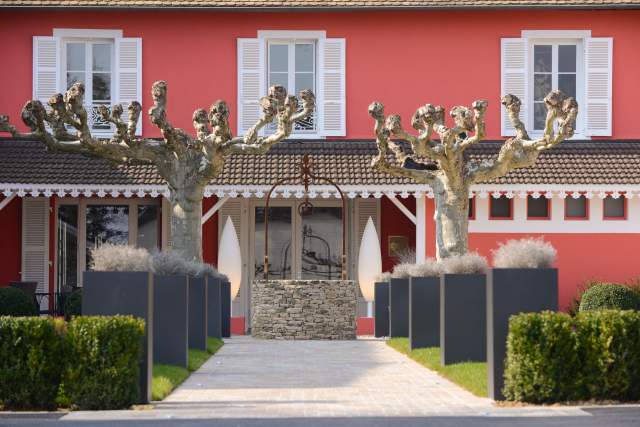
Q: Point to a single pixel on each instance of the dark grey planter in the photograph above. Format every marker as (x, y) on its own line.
(214, 308)
(511, 291)
(399, 308)
(198, 313)
(171, 320)
(381, 319)
(225, 296)
(107, 293)
(424, 312)
(463, 318)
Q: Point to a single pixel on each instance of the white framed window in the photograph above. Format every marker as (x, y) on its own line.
(90, 61)
(570, 61)
(555, 65)
(292, 64)
(297, 60)
(109, 65)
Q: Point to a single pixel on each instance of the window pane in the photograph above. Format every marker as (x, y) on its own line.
(304, 57)
(279, 57)
(541, 86)
(101, 57)
(67, 247)
(75, 56)
(537, 208)
(567, 58)
(106, 224)
(542, 58)
(567, 84)
(101, 86)
(575, 208)
(279, 79)
(322, 244)
(279, 242)
(74, 77)
(501, 207)
(304, 81)
(148, 227)
(539, 115)
(614, 208)
(472, 207)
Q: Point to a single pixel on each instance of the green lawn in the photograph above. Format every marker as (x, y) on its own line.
(470, 375)
(168, 377)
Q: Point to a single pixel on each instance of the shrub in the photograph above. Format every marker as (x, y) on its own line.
(406, 256)
(553, 357)
(109, 257)
(383, 277)
(14, 302)
(470, 263)
(541, 358)
(524, 253)
(31, 361)
(429, 268)
(104, 355)
(402, 271)
(609, 296)
(73, 304)
(169, 263)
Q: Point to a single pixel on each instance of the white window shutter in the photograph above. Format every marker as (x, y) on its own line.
(46, 67)
(598, 61)
(332, 95)
(251, 82)
(35, 241)
(129, 74)
(514, 79)
(232, 208)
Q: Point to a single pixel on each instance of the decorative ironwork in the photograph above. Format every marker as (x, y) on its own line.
(306, 177)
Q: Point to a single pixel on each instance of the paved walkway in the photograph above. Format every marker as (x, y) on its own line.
(364, 378)
(252, 378)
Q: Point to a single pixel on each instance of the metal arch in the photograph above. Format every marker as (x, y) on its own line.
(305, 176)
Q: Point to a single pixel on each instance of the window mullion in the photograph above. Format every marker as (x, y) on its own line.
(554, 67)
(292, 67)
(88, 75)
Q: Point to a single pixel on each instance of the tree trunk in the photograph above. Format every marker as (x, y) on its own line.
(186, 226)
(452, 220)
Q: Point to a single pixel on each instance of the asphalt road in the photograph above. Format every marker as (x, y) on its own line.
(600, 417)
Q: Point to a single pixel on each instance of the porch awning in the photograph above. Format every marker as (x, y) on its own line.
(28, 168)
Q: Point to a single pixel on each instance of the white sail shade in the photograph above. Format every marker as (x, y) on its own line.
(369, 260)
(230, 257)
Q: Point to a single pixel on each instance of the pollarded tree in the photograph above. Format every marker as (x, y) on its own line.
(187, 163)
(443, 165)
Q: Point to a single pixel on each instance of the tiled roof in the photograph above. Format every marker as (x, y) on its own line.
(346, 162)
(323, 4)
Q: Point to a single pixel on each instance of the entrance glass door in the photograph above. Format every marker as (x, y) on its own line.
(280, 242)
(321, 255)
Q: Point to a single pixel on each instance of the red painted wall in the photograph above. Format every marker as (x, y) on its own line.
(414, 57)
(11, 241)
(395, 223)
(605, 256)
(210, 233)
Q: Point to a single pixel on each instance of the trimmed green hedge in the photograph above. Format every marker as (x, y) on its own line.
(609, 296)
(103, 354)
(553, 357)
(14, 302)
(31, 361)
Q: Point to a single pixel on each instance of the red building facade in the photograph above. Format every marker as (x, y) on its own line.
(584, 198)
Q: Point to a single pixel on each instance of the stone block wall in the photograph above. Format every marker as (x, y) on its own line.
(304, 309)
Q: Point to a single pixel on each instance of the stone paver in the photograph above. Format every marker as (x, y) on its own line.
(263, 378)
(251, 378)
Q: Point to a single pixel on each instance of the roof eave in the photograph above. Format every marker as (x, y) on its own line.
(628, 6)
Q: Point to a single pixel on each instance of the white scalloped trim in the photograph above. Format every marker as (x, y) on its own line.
(323, 191)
